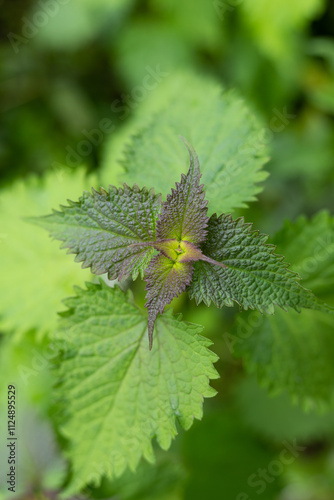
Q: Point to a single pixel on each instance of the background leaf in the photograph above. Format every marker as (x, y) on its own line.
(161, 481)
(35, 275)
(222, 455)
(273, 24)
(277, 419)
(131, 50)
(309, 245)
(225, 134)
(293, 352)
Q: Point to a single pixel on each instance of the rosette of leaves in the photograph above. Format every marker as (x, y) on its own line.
(175, 247)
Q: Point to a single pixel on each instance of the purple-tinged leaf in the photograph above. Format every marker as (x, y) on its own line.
(165, 280)
(181, 228)
(109, 231)
(183, 215)
(180, 251)
(183, 251)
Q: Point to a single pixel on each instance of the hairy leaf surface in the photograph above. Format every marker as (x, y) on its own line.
(107, 230)
(183, 215)
(118, 395)
(294, 352)
(180, 229)
(165, 279)
(254, 278)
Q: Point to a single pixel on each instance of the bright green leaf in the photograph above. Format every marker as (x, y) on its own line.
(35, 275)
(117, 393)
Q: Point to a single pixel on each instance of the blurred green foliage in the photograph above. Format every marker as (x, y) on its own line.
(72, 94)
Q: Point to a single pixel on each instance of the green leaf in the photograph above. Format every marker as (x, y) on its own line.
(165, 280)
(161, 481)
(290, 352)
(225, 134)
(224, 460)
(27, 362)
(35, 275)
(255, 277)
(312, 163)
(62, 34)
(183, 215)
(141, 116)
(117, 394)
(274, 24)
(108, 230)
(135, 63)
(276, 418)
(309, 246)
(294, 352)
(197, 22)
